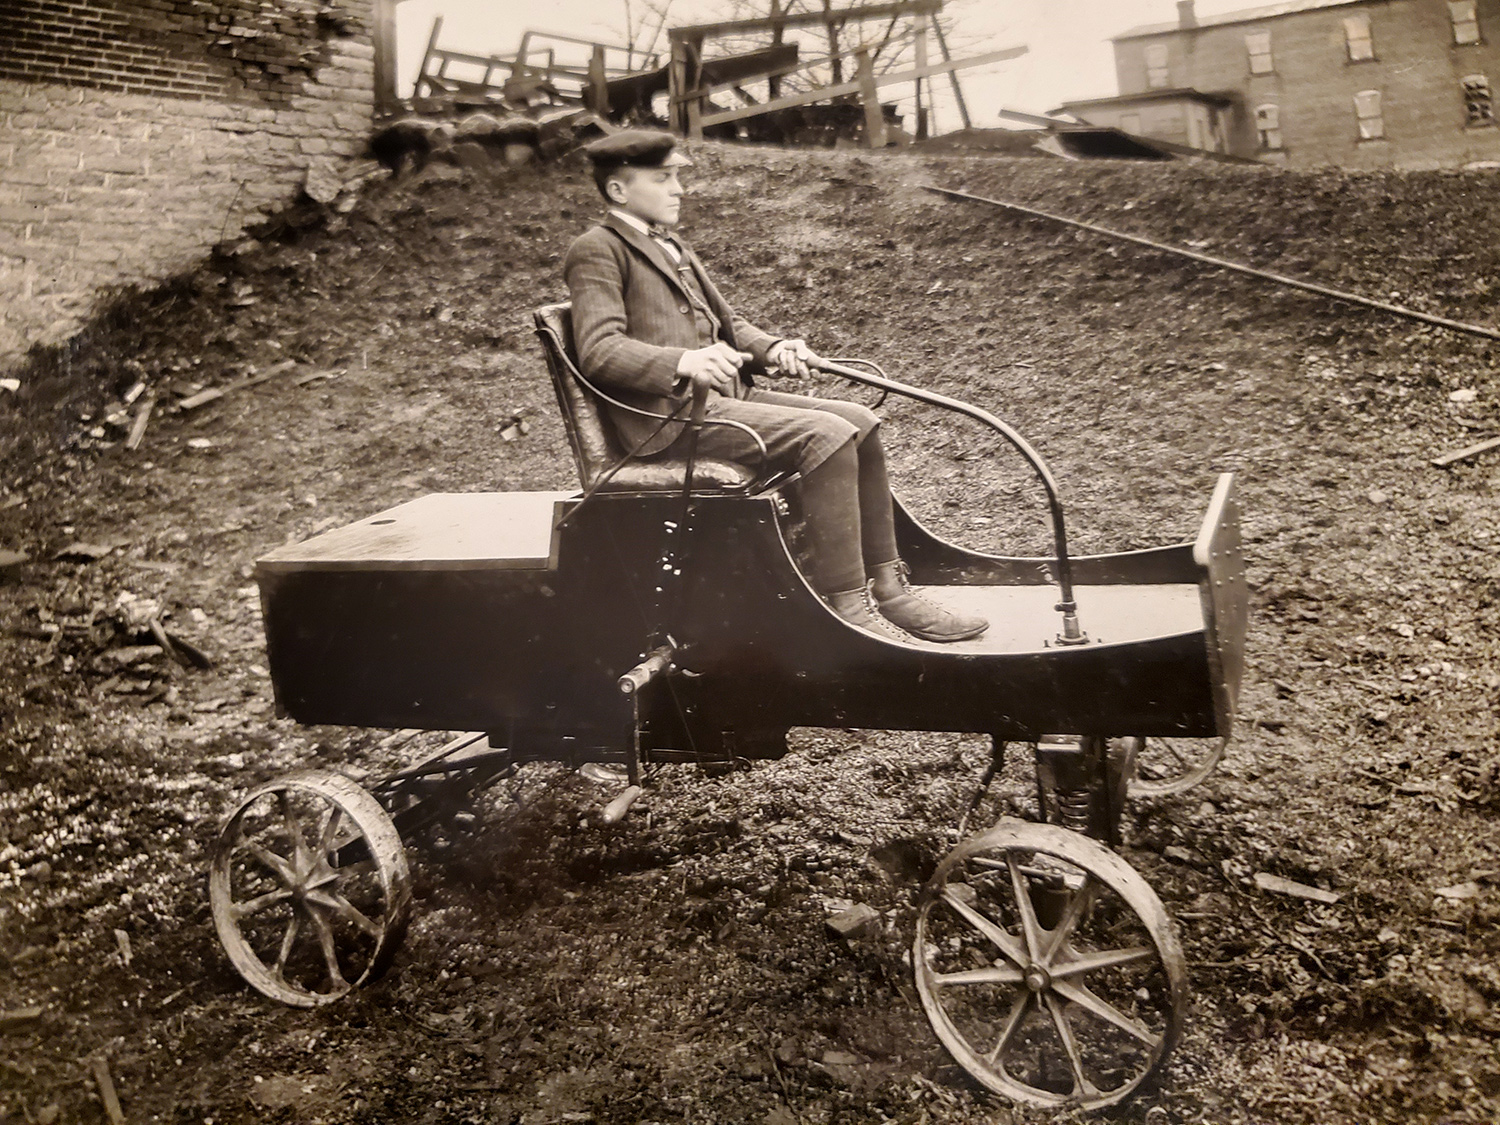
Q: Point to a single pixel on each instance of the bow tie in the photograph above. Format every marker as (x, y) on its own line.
(657, 230)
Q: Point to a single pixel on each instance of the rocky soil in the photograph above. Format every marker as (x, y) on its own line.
(677, 967)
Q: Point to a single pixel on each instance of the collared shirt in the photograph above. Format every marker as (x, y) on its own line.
(669, 245)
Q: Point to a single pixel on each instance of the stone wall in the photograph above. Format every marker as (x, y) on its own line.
(136, 134)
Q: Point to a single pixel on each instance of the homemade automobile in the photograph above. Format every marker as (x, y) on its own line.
(659, 615)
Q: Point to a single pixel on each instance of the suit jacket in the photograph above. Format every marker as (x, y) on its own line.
(632, 320)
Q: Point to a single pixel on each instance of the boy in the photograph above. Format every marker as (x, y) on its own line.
(648, 324)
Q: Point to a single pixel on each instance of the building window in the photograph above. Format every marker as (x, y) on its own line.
(1465, 21)
(1479, 103)
(1367, 113)
(1156, 66)
(1357, 38)
(1268, 127)
(1258, 43)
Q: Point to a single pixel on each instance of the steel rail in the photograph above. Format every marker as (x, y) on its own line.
(1221, 263)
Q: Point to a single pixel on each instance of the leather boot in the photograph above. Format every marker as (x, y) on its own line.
(920, 616)
(858, 608)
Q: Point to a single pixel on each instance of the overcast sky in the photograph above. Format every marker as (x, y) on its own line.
(1069, 57)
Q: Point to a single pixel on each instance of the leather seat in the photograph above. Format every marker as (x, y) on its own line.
(595, 447)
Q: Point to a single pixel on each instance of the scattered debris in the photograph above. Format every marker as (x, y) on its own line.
(213, 394)
(514, 427)
(1185, 856)
(122, 940)
(128, 655)
(1464, 454)
(100, 1067)
(183, 651)
(142, 417)
(857, 921)
(11, 558)
(314, 376)
(322, 182)
(11, 385)
(615, 811)
(1459, 891)
(83, 552)
(135, 613)
(395, 738)
(1275, 884)
(1466, 394)
(18, 1018)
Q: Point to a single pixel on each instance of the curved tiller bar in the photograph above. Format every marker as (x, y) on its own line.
(1072, 633)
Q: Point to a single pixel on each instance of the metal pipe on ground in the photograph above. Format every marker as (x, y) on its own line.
(1265, 275)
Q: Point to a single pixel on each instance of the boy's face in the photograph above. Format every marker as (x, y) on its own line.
(652, 194)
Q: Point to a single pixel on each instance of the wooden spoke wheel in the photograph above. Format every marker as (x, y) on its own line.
(309, 888)
(1048, 967)
(1165, 766)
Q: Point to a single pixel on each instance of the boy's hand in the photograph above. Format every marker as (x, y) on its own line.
(792, 356)
(715, 367)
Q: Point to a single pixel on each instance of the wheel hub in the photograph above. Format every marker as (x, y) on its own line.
(1037, 978)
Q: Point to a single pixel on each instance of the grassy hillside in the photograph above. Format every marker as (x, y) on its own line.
(557, 971)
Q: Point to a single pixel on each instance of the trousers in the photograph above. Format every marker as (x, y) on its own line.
(835, 445)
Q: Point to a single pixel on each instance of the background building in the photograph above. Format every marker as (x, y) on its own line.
(1358, 83)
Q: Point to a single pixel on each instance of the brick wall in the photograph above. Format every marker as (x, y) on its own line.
(135, 134)
(1417, 68)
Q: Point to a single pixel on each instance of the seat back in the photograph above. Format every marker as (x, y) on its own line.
(591, 434)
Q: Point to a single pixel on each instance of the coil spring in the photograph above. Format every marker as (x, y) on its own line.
(1073, 809)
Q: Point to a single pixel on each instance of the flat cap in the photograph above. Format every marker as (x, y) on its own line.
(636, 148)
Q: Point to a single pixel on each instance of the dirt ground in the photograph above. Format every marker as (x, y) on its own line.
(676, 968)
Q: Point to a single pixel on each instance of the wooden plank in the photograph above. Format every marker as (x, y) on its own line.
(807, 19)
(1464, 454)
(958, 92)
(476, 60)
(749, 66)
(919, 127)
(384, 20)
(107, 1093)
(869, 94)
(427, 56)
(809, 96)
(1035, 118)
(142, 418)
(215, 393)
(677, 88)
(693, 77)
(18, 1018)
(597, 95)
(1275, 884)
(444, 531)
(772, 75)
